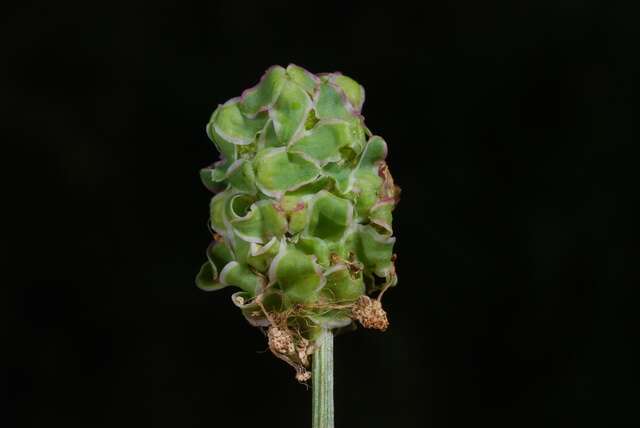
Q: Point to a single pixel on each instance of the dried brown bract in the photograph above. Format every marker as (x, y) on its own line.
(303, 376)
(280, 341)
(370, 314)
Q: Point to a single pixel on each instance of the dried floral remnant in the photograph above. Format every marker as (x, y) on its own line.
(280, 341)
(370, 314)
(303, 376)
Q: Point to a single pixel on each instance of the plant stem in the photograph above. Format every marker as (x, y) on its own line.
(322, 378)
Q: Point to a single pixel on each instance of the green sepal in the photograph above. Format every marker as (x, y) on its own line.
(217, 212)
(325, 141)
(261, 256)
(290, 111)
(218, 255)
(329, 216)
(227, 150)
(366, 181)
(241, 176)
(341, 287)
(342, 247)
(263, 222)
(298, 219)
(278, 171)
(273, 299)
(374, 250)
(235, 127)
(303, 78)
(212, 178)
(250, 309)
(321, 183)
(238, 205)
(353, 91)
(358, 139)
(239, 275)
(331, 319)
(240, 247)
(296, 202)
(207, 278)
(297, 274)
(268, 137)
(341, 175)
(261, 96)
(316, 247)
(381, 215)
(331, 102)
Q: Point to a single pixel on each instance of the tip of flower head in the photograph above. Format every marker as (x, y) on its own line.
(329, 75)
(370, 314)
(292, 65)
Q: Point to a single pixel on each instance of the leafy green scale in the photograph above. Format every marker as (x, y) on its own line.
(325, 141)
(264, 93)
(235, 127)
(278, 171)
(329, 216)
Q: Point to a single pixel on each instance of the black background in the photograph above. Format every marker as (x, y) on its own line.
(510, 131)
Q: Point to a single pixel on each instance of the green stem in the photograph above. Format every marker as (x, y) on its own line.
(322, 378)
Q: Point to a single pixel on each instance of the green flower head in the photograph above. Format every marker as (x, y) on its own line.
(303, 211)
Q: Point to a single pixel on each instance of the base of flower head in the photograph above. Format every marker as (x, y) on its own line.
(295, 347)
(370, 314)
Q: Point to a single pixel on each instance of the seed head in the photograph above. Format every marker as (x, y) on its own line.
(302, 212)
